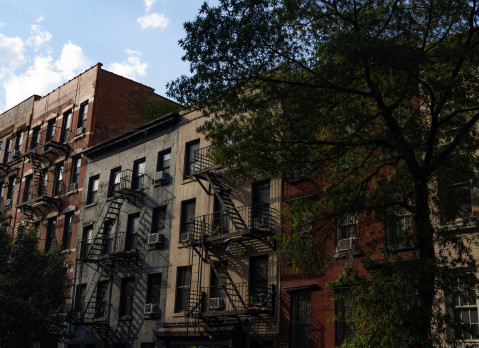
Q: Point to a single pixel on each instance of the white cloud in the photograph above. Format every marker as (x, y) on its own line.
(11, 51)
(131, 68)
(44, 75)
(154, 21)
(40, 36)
(149, 4)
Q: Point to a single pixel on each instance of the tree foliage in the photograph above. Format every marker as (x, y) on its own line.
(379, 99)
(33, 290)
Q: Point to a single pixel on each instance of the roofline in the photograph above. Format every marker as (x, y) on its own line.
(34, 96)
(128, 137)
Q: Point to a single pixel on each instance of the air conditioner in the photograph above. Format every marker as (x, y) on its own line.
(161, 177)
(185, 237)
(155, 238)
(79, 131)
(150, 308)
(345, 244)
(217, 303)
(73, 186)
(8, 202)
(15, 153)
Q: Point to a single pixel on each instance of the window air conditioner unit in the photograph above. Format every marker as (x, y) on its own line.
(73, 186)
(217, 303)
(185, 237)
(15, 153)
(160, 177)
(155, 239)
(79, 131)
(150, 308)
(345, 244)
(8, 202)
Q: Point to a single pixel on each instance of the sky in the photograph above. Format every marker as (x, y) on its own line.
(44, 43)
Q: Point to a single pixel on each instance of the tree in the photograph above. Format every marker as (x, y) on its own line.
(33, 290)
(379, 99)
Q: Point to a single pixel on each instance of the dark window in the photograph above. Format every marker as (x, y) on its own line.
(190, 159)
(8, 148)
(187, 216)
(132, 229)
(301, 320)
(11, 187)
(108, 233)
(159, 220)
(75, 178)
(42, 183)
(466, 310)
(50, 238)
(82, 117)
(218, 280)
(183, 279)
(35, 137)
(261, 203)
(93, 183)
(67, 121)
(153, 290)
(19, 141)
(258, 280)
(80, 297)
(126, 296)
(67, 231)
(101, 299)
(342, 312)
(398, 228)
(163, 163)
(86, 241)
(455, 202)
(50, 133)
(138, 174)
(221, 217)
(27, 192)
(114, 183)
(58, 183)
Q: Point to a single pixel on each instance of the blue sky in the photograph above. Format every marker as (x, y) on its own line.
(44, 43)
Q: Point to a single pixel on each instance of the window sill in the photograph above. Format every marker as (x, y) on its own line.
(90, 205)
(78, 137)
(72, 192)
(126, 318)
(347, 253)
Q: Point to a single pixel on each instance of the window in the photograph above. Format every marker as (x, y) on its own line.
(466, 310)
(67, 231)
(114, 183)
(2, 189)
(342, 309)
(153, 290)
(138, 174)
(11, 186)
(50, 133)
(183, 279)
(258, 280)
(455, 203)
(35, 137)
(8, 148)
(27, 192)
(50, 238)
(80, 296)
(108, 232)
(398, 229)
(187, 216)
(82, 117)
(67, 121)
(19, 141)
(220, 216)
(101, 299)
(301, 320)
(159, 220)
(126, 296)
(347, 233)
(132, 229)
(42, 184)
(218, 280)
(86, 241)
(58, 183)
(190, 159)
(163, 163)
(261, 203)
(75, 177)
(93, 189)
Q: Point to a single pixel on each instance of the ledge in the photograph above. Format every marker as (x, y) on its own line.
(301, 288)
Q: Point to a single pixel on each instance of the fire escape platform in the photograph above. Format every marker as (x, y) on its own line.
(41, 205)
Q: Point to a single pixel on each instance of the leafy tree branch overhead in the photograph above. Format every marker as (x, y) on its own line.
(379, 99)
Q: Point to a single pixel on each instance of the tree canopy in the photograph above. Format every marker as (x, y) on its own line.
(33, 290)
(378, 99)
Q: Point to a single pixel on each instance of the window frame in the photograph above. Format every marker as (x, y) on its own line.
(190, 163)
(156, 217)
(160, 164)
(66, 125)
(466, 308)
(8, 148)
(114, 174)
(58, 181)
(183, 276)
(27, 189)
(153, 288)
(92, 194)
(68, 230)
(301, 324)
(342, 329)
(138, 177)
(11, 187)
(50, 235)
(349, 222)
(75, 171)
(184, 217)
(132, 231)
(36, 131)
(127, 294)
(19, 141)
(82, 116)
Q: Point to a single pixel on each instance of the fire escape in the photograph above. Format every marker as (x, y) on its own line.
(103, 253)
(36, 199)
(212, 237)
